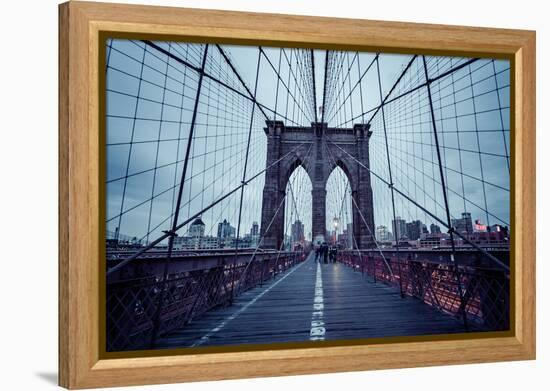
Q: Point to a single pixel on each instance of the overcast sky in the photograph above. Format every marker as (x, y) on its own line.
(150, 101)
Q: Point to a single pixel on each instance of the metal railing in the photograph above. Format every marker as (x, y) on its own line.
(485, 295)
(141, 307)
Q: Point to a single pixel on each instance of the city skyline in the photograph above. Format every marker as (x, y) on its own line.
(383, 232)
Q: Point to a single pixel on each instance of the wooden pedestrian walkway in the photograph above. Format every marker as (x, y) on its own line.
(314, 302)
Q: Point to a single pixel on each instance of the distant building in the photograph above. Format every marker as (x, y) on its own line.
(117, 240)
(333, 237)
(435, 229)
(424, 230)
(255, 230)
(479, 226)
(487, 239)
(196, 230)
(343, 241)
(431, 240)
(414, 229)
(184, 243)
(194, 237)
(195, 242)
(464, 224)
(498, 228)
(225, 230)
(406, 243)
(297, 232)
(245, 242)
(400, 228)
(209, 242)
(287, 246)
(248, 240)
(383, 234)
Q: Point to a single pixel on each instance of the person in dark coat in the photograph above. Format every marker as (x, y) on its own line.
(333, 254)
(325, 252)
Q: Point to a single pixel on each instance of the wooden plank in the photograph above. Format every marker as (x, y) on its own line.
(63, 219)
(293, 30)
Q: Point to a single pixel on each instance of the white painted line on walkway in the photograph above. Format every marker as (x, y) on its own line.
(317, 331)
(223, 323)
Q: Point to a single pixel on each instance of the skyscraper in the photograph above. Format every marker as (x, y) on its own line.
(435, 229)
(196, 230)
(225, 230)
(297, 232)
(464, 224)
(400, 228)
(383, 234)
(414, 229)
(479, 226)
(255, 230)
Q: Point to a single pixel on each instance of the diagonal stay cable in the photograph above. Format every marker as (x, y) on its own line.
(252, 96)
(211, 77)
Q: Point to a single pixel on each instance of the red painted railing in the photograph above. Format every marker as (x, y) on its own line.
(485, 291)
(134, 318)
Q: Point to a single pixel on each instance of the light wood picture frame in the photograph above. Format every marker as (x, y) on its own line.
(83, 28)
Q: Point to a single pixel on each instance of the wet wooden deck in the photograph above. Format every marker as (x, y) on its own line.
(314, 302)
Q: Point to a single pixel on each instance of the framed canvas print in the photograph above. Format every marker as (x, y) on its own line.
(251, 195)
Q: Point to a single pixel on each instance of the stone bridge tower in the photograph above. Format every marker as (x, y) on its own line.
(318, 149)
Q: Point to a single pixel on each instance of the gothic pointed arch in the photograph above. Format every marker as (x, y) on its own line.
(319, 150)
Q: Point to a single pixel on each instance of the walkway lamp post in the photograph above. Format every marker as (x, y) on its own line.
(335, 222)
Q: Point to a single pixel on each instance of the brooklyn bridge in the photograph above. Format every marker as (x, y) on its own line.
(267, 195)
